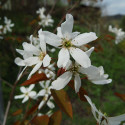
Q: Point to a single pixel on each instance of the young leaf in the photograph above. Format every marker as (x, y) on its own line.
(121, 96)
(40, 120)
(35, 78)
(62, 100)
(56, 118)
(18, 112)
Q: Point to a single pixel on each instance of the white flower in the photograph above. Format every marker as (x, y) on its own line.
(96, 75)
(69, 43)
(45, 92)
(41, 12)
(27, 93)
(120, 35)
(38, 56)
(101, 118)
(8, 25)
(73, 70)
(49, 113)
(46, 21)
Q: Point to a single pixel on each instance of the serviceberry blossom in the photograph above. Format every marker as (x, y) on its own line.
(8, 25)
(27, 93)
(120, 34)
(73, 70)
(101, 118)
(69, 42)
(45, 93)
(37, 56)
(45, 20)
(96, 75)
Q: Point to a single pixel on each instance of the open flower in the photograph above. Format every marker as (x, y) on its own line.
(41, 11)
(96, 75)
(69, 43)
(8, 25)
(45, 92)
(38, 56)
(27, 93)
(73, 70)
(101, 118)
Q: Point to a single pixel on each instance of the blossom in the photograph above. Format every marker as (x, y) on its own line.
(96, 75)
(41, 11)
(73, 70)
(8, 25)
(27, 93)
(69, 43)
(49, 113)
(38, 56)
(46, 21)
(45, 92)
(120, 35)
(101, 118)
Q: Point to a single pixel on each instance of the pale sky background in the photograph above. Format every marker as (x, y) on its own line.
(113, 7)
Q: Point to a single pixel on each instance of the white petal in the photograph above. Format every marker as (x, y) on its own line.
(19, 61)
(46, 60)
(42, 41)
(19, 96)
(80, 57)
(50, 104)
(37, 66)
(63, 57)
(23, 89)
(32, 94)
(62, 81)
(77, 83)
(42, 92)
(59, 32)
(42, 84)
(19, 76)
(67, 26)
(88, 52)
(30, 87)
(74, 34)
(41, 104)
(52, 39)
(47, 83)
(84, 38)
(30, 48)
(25, 99)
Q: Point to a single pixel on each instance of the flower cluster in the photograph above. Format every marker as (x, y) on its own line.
(45, 20)
(75, 63)
(120, 34)
(7, 26)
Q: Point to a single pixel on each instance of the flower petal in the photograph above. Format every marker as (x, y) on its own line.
(32, 94)
(37, 66)
(31, 61)
(67, 26)
(84, 38)
(19, 61)
(41, 93)
(42, 41)
(77, 83)
(19, 96)
(80, 57)
(21, 73)
(46, 60)
(41, 103)
(88, 52)
(25, 99)
(30, 48)
(31, 87)
(63, 58)
(50, 104)
(59, 32)
(62, 81)
(52, 39)
(23, 89)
